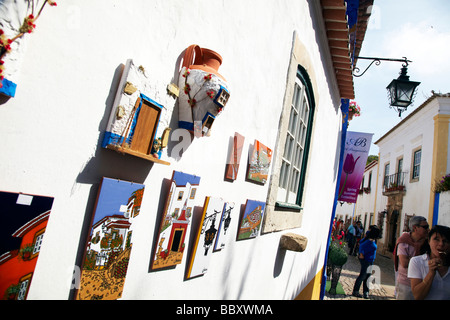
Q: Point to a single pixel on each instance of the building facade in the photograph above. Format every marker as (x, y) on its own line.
(413, 157)
(287, 66)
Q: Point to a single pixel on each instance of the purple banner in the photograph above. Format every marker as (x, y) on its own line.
(357, 146)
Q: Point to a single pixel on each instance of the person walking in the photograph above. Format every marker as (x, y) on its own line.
(429, 273)
(359, 233)
(367, 254)
(408, 246)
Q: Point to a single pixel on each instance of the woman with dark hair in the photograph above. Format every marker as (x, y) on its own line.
(429, 273)
(367, 253)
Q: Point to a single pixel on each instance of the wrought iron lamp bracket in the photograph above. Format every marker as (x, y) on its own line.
(377, 62)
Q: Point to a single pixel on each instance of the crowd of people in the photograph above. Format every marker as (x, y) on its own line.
(421, 259)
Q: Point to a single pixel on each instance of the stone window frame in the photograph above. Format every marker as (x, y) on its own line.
(283, 216)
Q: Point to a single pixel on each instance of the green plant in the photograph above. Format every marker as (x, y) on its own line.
(337, 255)
(443, 184)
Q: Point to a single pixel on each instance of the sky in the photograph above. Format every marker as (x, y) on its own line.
(114, 194)
(418, 30)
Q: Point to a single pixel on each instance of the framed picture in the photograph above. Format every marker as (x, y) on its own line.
(259, 163)
(234, 159)
(175, 220)
(109, 243)
(206, 236)
(250, 223)
(223, 231)
(24, 220)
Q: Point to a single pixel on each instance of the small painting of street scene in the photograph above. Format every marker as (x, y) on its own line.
(170, 246)
(251, 220)
(109, 243)
(259, 163)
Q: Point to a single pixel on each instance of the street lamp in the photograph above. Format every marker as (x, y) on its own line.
(401, 91)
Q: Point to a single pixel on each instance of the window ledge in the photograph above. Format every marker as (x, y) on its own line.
(287, 206)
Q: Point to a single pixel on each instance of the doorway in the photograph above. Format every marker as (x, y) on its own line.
(393, 221)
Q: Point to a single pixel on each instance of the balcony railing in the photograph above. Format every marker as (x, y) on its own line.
(395, 182)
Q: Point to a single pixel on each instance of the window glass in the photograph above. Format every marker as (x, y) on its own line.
(294, 148)
(416, 165)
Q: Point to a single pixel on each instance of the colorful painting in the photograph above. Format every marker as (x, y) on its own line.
(109, 243)
(224, 225)
(357, 146)
(235, 157)
(24, 219)
(175, 220)
(206, 236)
(251, 220)
(259, 163)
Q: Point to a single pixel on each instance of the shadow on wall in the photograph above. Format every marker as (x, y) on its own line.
(108, 163)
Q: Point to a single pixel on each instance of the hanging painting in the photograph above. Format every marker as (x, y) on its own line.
(259, 163)
(138, 125)
(232, 167)
(109, 243)
(175, 220)
(24, 219)
(251, 220)
(206, 236)
(224, 225)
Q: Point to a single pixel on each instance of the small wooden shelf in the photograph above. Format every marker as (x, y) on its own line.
(148, 157)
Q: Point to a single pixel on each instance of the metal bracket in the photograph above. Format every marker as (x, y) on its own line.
(377, 61)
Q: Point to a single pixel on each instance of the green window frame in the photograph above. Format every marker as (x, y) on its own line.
(297, 144)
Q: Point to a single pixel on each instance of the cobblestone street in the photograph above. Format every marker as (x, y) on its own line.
(350, 272)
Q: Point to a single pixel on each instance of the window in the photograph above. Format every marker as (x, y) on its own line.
(289, 189)
(37, 244)
(416, 164)
(400, 165)
(399, 178)
(386, 175)
(288, 178)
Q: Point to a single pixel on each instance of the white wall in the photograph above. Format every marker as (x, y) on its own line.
(52, 131)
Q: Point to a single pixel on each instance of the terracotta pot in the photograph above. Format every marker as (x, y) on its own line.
(350, 115)
(202, 59)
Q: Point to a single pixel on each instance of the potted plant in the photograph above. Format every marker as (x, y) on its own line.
(443, 184)
(26, 252)
(353, 110)
(337, 257)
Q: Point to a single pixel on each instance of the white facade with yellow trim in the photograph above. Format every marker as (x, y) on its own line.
(413, 155)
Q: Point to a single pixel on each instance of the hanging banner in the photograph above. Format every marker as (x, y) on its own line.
(357, 146)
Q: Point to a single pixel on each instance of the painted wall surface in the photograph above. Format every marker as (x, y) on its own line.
(52, 132)
(444, 209)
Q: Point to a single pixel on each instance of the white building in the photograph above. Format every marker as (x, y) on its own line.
(414, 155)
(273, 51)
